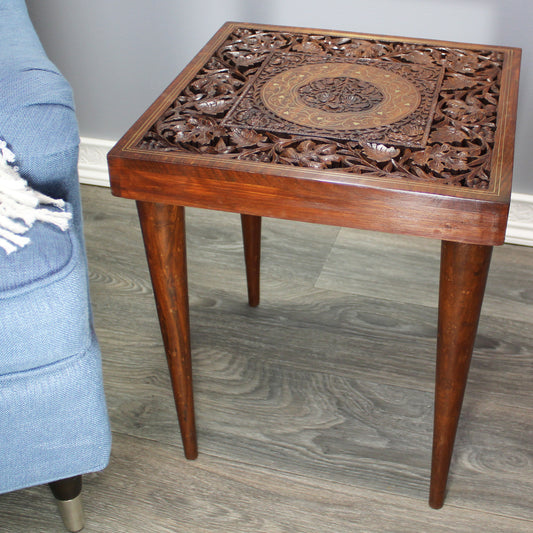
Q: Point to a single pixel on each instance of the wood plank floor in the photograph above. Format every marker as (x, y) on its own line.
(314, 409)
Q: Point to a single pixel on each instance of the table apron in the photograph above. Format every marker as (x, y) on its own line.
(471, 221)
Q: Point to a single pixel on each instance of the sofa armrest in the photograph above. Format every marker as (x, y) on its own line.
(37, 116)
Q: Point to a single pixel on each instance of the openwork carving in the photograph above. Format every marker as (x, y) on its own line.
(369, 107)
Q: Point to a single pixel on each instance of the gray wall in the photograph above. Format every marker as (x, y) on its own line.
(119, 54)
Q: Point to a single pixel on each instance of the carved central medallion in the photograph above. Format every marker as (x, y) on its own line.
(340, 95)
(371, 101)
(283, 95)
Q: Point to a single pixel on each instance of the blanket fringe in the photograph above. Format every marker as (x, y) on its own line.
(21, 206)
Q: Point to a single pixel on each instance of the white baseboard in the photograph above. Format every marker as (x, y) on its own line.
(92, 165)
(520, 223)
(93, 171)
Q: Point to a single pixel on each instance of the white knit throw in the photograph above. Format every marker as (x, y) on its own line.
(21, 206)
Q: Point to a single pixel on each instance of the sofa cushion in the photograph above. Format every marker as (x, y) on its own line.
(44, 307)
(46, 257)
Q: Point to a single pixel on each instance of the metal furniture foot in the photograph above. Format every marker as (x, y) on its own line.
(67, 493)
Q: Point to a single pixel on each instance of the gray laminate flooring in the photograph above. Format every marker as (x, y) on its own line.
(314, 410)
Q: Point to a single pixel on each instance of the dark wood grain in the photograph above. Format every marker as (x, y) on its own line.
(163, 229)
(310, 197)
(251, 233)
(464, 271)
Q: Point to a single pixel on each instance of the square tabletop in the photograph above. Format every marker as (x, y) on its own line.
(383, 133)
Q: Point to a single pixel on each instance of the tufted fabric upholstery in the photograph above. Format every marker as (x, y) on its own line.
(53, 417)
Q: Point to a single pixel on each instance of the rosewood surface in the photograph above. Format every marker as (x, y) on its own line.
(195, 143)
(380, 133)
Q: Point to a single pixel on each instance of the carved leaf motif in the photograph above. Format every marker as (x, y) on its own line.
(246, 137)
(485, 132)
(421, 57)
(218, 83)
(309, 46)
(464, 61)
(362, 49)
(448, 134)
(310, 154)
(213, 106)
(191, 129)
(459, 81)
(440, 157)
(246, 60)
(380, 153)
(469, 111)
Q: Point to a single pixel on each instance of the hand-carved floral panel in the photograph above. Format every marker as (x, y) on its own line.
(365, 106)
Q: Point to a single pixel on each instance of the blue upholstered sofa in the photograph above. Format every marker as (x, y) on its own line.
(53, 419)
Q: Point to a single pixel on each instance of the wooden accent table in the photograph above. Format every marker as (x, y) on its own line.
(379, 133)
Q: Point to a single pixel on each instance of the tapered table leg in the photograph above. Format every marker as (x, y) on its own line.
(163, 228)
(251, 232)
(464, 270)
